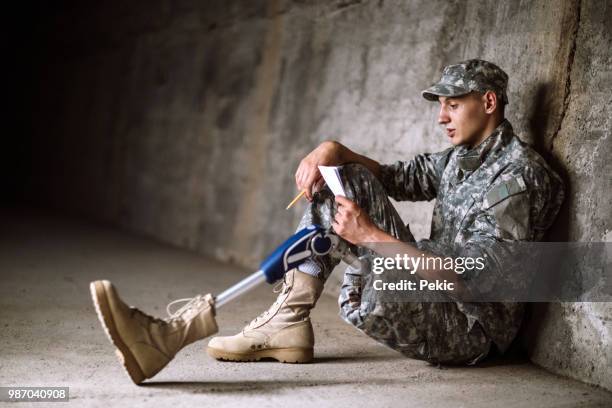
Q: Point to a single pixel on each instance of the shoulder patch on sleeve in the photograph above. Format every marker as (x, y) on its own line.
(504, 190)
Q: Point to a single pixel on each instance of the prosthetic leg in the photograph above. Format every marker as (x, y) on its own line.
(145, 344)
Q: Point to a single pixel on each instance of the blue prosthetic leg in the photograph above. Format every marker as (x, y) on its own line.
(311, 241)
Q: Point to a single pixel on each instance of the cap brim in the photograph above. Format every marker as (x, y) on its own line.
(432, 93)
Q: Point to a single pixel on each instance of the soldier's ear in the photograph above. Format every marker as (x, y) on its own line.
(490, 100)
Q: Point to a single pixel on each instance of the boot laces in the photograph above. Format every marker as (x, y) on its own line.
(171, 315)
(189, 302)
(279, 288)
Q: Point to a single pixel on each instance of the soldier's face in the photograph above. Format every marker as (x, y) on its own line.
(464, 118)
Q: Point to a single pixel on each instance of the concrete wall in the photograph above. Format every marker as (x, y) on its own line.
(575, 339)
(186, 121)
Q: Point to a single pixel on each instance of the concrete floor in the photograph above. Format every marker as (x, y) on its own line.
(50, 335)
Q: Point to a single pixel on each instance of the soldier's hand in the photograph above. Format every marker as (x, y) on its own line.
(307, 176)
(352, 223)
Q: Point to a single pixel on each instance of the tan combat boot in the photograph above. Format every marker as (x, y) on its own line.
(283, 332)
(146, 344)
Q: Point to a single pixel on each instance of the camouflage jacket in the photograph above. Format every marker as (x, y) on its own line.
(499, 191)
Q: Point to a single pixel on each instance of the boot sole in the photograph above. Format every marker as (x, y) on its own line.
(283, 355)
(127, 359)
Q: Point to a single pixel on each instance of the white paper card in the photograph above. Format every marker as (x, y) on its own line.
(331, 175)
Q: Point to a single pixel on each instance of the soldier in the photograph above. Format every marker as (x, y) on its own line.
(489, 188)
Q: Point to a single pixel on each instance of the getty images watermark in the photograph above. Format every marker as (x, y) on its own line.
(497, 272)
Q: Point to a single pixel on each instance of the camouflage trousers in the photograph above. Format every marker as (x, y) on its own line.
(437, 332)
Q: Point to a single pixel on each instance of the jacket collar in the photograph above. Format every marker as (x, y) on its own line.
(469, 159)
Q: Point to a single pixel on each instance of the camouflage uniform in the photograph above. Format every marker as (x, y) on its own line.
(499, 191)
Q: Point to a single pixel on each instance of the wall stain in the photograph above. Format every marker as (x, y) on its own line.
(568, 78)
(257, 138)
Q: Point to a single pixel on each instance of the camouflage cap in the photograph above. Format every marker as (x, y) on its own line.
(467, 76)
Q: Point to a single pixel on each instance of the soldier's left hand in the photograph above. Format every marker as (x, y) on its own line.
(351, 222)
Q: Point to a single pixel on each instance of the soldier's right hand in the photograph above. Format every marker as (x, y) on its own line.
(308, 177)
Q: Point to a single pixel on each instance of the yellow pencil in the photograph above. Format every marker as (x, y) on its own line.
(297, 197)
